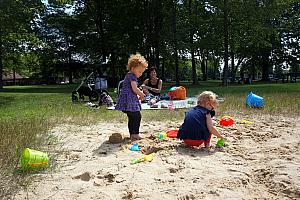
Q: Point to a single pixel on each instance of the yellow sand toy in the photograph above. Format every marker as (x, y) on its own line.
(143, 158)
(246, 122)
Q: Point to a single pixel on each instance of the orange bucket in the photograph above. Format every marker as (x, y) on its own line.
(178, 94)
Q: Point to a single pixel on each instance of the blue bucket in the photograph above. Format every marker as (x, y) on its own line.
(254, 101)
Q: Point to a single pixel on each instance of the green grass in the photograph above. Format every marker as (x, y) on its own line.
(280, 99)
(28, 112)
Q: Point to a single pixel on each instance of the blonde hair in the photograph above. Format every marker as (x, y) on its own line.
(206, 96)
(136, 60)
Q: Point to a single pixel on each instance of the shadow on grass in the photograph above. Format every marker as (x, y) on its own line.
(6, 100)
(50, 89)
(40, 89)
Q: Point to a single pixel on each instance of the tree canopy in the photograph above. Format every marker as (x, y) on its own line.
(186, 40)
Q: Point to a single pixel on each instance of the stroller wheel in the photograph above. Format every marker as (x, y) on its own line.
(74, 98)
(94, 96)
(81, 97)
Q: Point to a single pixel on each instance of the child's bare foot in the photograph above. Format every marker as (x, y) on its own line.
(206, 148)
(134, 137)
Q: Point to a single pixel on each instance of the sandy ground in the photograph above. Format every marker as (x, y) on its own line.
(260, 161)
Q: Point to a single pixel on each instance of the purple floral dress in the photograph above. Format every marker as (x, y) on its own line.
(128, 100)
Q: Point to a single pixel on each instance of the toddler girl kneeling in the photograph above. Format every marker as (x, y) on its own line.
(197, 127)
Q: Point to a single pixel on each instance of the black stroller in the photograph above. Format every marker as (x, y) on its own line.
(87, 88)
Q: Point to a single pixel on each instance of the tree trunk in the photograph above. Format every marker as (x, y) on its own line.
(157, 26)
(265, 65)
(113, 68)
(206, 65)
(232, 67)
(1, 65)
(194, 71)
(148, 31)
(102, 36)
(70, 66)
(253, 71)
(157, 61)
(1, 73)
(203, 69)
(14, 76)
(163, 75)
(225, 70)
(237, 66)
(98, 18)
(175, 44)
(215, 69)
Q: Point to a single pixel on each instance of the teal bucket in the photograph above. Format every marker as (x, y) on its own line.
(254, 101)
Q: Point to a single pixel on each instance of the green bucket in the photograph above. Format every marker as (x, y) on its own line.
(220, 143)
(33, 159)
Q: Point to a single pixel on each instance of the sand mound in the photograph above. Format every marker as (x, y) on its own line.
(115, 138)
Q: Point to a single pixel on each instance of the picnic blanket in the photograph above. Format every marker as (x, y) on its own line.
(168, 104)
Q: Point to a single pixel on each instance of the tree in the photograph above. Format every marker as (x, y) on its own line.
(255, 34)
(16, 34)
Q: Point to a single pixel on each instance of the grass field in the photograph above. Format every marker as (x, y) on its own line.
(28, 112)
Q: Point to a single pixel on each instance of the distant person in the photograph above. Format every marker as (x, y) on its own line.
(152, 86)
(97, 82)
(129, 97)
(197, 127)
(100, 82)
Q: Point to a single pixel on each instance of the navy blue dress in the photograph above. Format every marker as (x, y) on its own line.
(194, 126)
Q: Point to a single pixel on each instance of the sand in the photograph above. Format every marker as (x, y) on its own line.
(259, 161)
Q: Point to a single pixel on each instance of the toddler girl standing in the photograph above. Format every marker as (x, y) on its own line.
(128, 100)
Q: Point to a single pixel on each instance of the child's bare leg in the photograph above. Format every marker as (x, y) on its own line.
(206, 145)
(207, 142)
(135, 137)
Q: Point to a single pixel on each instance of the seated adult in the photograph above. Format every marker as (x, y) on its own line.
(152, 86)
